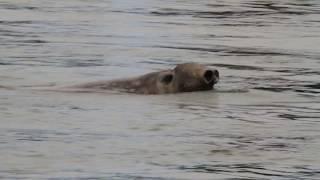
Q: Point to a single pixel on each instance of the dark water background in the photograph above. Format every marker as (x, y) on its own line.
(263, 121)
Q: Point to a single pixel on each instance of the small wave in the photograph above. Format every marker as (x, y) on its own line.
(34, 41)
(251, 9)
(255, 169)
(15, 22)
(17, 7)
(237, 67)
(227, 50)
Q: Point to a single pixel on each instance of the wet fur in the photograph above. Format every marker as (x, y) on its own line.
(183, 78)
(145, 84)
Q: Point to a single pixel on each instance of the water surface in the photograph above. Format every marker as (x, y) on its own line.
(261, 122)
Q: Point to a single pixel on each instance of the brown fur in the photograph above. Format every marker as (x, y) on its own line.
(183, 78)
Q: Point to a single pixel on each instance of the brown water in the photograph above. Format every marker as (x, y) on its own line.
(261, 122)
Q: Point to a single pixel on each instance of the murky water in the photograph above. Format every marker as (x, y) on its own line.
(261, 122)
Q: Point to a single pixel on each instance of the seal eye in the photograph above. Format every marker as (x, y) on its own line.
(166, 79)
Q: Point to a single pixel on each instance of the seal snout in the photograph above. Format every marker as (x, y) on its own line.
(211, 76)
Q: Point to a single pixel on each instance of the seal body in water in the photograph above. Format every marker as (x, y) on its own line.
(183, 78)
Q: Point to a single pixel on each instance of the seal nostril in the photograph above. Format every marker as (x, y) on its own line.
(208, 76)
(216, 73)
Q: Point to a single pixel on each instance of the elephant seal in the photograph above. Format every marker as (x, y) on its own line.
(183, 78)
